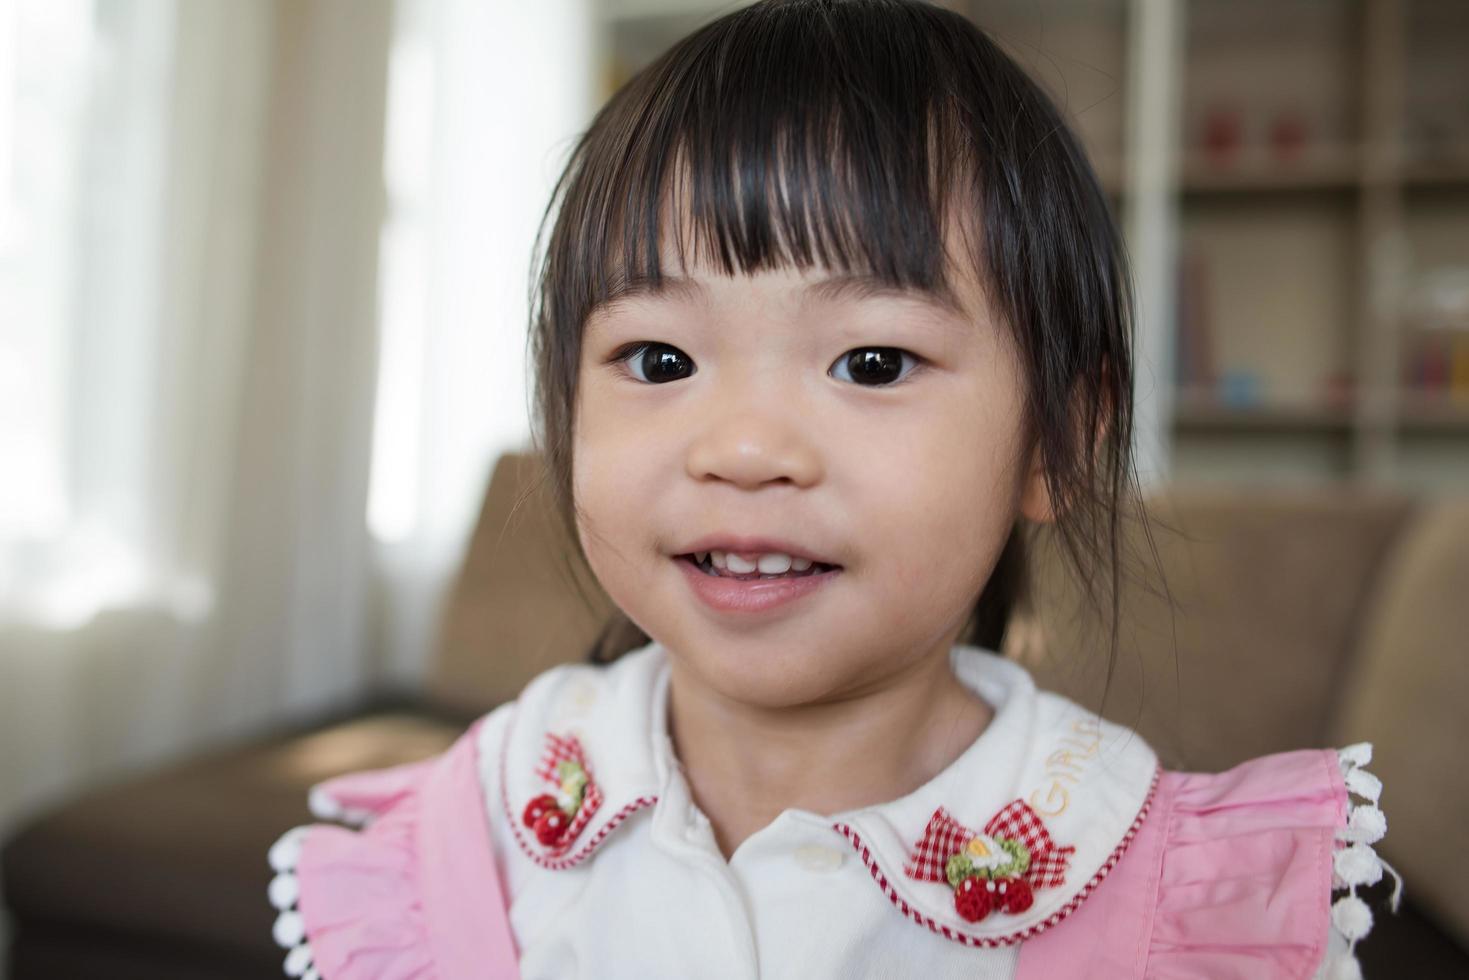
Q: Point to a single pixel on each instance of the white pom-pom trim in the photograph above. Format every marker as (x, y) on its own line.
(324, 806)
(1356, 863)
(290, 929)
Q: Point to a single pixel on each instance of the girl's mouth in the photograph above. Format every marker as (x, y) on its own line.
(707, 566)
(752, 593)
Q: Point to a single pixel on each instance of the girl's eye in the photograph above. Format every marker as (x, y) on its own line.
(650, 362)
(874, 367)
(654, 363)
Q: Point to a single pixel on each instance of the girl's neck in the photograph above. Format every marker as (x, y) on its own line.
(746, 765)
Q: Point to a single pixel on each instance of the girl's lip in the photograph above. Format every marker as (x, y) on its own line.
(731, 595)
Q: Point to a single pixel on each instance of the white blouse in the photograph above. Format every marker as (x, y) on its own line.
(808, 896)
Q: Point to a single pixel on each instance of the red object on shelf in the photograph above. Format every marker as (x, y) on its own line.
(1223, 133)
(1288, 136)
(1435, 362)
(1339, 389)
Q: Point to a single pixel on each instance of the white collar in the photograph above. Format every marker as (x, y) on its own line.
(1088, 780)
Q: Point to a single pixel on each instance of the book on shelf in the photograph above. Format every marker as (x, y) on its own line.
(1193, 351)
(1435, 335)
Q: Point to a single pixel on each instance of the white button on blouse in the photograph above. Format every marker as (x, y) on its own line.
(814, 857)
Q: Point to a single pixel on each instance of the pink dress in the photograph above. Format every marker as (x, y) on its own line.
(1227, 875)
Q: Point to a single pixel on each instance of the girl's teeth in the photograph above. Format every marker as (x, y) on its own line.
(769, 565)
(738, 565)
(774, 564)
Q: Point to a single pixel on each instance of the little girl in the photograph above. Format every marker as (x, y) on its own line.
(832, 309)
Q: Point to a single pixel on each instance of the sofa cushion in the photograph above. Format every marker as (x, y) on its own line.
(1408, 689)
(1268, 586)
(46, 952)
(179, 855)
(523, 602)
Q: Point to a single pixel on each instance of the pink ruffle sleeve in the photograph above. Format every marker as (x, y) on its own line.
(1231, 877)
(414, 894)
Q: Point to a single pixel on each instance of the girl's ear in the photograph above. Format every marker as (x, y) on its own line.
(1035, 498)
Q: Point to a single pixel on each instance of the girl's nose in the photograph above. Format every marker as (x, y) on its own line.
(751, 448)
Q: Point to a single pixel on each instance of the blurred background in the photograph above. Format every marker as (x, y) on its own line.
(263, 273)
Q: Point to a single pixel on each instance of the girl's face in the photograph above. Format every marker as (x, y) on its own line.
(751, 417)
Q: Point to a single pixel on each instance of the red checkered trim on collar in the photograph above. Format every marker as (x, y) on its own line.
(563, 748)
(945, 836)
(949, 932)
(533, 849)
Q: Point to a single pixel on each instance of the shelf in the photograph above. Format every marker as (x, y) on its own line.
(1448, 174)
(1200, 176)
(1203, 412)
(1203, 178)
(1424, 412)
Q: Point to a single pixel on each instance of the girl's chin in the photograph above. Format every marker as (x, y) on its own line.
(777, 671)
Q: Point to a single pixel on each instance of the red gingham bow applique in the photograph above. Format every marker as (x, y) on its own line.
(559, 817)
(993, 871)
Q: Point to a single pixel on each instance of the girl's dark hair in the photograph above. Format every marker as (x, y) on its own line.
(851, 132)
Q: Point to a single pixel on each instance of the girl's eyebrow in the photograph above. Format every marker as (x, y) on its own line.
(847, 285)
(853, 285)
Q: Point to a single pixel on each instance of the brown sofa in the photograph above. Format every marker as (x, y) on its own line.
(1302, 618)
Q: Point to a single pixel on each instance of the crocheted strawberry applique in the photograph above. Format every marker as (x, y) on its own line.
(997, 870)
(558, 817)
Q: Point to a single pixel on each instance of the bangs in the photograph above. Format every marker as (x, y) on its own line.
(767, 141)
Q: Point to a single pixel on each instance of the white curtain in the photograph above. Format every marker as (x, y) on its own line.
(485, 102)
(192, 199)
(250, 389)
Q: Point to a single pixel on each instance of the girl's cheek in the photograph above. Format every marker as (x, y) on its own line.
(600, 481)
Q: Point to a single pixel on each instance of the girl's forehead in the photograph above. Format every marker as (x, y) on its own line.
(817, 284)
